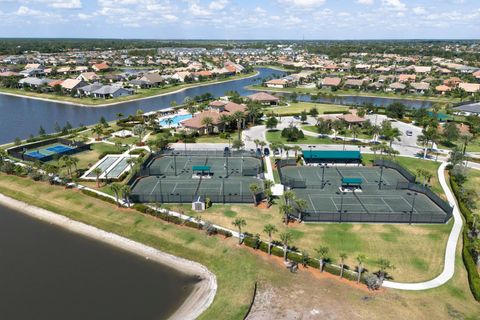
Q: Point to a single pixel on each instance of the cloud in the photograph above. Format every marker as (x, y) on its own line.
(65, 4)
(419, 10)
(394, 4)
(218, 4)
(367, 2)
(304, 4)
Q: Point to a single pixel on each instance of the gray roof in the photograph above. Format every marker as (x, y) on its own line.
(109, 90)
(473, 108)
(34, 81)
(91, 87)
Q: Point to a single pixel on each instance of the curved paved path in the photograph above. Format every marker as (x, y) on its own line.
(449, 263)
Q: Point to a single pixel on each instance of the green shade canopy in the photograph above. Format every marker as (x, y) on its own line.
(331, 155)
(352, 181)
(201, 168)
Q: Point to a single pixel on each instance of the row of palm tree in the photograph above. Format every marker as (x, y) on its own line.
(123, 190)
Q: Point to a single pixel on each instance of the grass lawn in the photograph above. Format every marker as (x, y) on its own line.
(346, 133)
(141, 93)
(298, 107)
(237, 268)
(276, 136)
(473, 146)
(416, 251)
(473, 181)
(214, 138)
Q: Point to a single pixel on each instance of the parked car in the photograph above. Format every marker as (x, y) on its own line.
(266, 152)
(409, 133)
(226, 151)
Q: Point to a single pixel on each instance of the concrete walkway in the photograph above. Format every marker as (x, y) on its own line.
(449, 263)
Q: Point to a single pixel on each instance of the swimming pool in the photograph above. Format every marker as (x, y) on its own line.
(175, 120)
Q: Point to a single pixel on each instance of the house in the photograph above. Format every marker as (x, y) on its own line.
(81, 69)
(55, 83)
(354, 83)
(154, 79)
(216, 110)
(407, 78)
(71, 85)
(9, 74)
(88, 76)
(277, 83)
(443, 89)
(106, 92)
(140, 84)
(33, 66)
(33, 82)
(89, 89)
(32, 72)
(419, 87)
(64, 70)
(331, 82)
(352, 118)
(452, 82)
(100, 67)
(397, 87)
(476, 74)
(181, 76)
(264, 98)
(422, 70)
(470, 87)
(463, 129)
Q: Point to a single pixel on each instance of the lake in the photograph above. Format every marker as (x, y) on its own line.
(21, 117)
(50, 273)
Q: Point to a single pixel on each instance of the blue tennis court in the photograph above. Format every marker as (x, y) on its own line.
(59, 149)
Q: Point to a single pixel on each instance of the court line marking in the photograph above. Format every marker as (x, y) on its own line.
(331, 198)
(155, 186)
(410, 205)
(391, 210)
(311, 202)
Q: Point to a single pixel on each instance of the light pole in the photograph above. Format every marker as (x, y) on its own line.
(413, 206)
(175, 163)
(344, 138)
(381, 177)
(341, 205)
(160, 188)
(323, 175)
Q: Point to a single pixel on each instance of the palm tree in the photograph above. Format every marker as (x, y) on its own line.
(239, 223)
(355, 132)
(301, 205)
(375, 132)
(74, 161)
(393, 134)
(67, 162)
(97, 171)
(286, 238)
(286, 210)
(207, 122)
(343, 256)
(254, 110)
(98, 130)
(238, 116)
(360, 260)
(287, 149)
(126, 192)
(322, 254)
(270, 229)
(116, 189)
(288, 196)
(225, 120)
(257, 143)
(254, 188)
(296, 148)
(131, 162)
(384, 265)
(119, 115)
(337, 125)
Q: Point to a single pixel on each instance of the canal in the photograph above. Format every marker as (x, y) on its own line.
(21, 117)
(49, 273)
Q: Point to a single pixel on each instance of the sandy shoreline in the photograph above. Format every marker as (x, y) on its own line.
(121, 102)
(203, 292)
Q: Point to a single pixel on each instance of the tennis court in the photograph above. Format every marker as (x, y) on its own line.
(218, 166)
(362, 194)
(49, 150)
(184, 178)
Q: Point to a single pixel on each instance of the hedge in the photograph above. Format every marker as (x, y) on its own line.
(468, 261)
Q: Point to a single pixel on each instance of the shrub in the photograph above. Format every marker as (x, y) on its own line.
(98, 196)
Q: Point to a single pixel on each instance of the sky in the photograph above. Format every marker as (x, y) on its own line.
(241, 19)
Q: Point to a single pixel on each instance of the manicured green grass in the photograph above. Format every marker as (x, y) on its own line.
(276, 136)
(298, 107)
(214, 138)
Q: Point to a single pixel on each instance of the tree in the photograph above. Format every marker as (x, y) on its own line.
(116, 189)
(103, 122)
(456, 157)
(66, 160)
(355, 130)
(384, 265)
(396, 110)
(360, 260)
(286, 210)
(98, 130)
(303, 116)
(238, 116)
(301, 205)
(451, 132)
(474, 122)
(286, 238)
(254, 188)
(324, 127)
(237, 144)
(343, 256)
(207, 122)
(254, 110)
(126, 192)
(271, 123)
(313, 112)
(429, 134)
(41, 131)
(139, 130)
(239, 223)
(270, 229)
(322, 254)
(337, 126)
(97, 171)
(225, 120)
